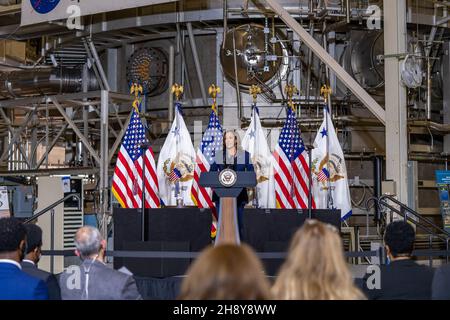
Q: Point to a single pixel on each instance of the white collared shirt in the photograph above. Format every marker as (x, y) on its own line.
(11, 262)
(29, 261)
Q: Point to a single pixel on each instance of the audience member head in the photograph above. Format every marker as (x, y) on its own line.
(34, 242)
(399, 240)
(89, 243)
(226, 272)
(315, 268)
(12, 239)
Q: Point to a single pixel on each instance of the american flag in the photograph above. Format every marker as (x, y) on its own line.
(127, 179)
(175, 175)
(323, 175)
(291, 167)
(211, 141)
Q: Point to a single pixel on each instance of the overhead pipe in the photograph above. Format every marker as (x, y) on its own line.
(170, 113)
(236, 79)
(47, 81)
(377, 179)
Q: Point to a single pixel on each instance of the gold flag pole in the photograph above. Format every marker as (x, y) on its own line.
(137, 90)
(290, 90)
(177, 90)
(254, 91)
(213, 91)
(325, 91)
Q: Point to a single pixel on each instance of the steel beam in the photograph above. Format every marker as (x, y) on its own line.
(75, 129)
(198, 67)
(119, 138)
(16, 136)
(395, 97)
(170, 107)
(323, 55)
(52, 144)
(104, 163)
(11, 129)
(114, 96)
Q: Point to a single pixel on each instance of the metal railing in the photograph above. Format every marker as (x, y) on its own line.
(410, 215)
(51, 208)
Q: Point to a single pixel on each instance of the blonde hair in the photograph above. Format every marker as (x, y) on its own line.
(226, 272)
(315, 268)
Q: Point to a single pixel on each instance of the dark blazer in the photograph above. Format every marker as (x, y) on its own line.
(242, 163)
(441, 283)
(18, 285)
(48, 278)
(402, 280)
(104, 283)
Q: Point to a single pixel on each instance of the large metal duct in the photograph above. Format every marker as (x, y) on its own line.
(150, 68)
(49, 81)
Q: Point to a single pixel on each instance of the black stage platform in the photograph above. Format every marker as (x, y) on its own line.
(188, 230)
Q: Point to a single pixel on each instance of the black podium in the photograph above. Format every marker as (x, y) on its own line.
(188, 230)
(169, 229)
(228, 184)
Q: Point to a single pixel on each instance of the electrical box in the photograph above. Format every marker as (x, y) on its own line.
(22, 201)
(388, 187)
(443, 184)
(68, 218)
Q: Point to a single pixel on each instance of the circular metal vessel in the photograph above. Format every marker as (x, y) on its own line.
(250, 45)
(149, 67)
(366, 66)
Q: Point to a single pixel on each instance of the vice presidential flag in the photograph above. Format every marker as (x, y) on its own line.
(176, 163)
(330, 183)
(255, 143)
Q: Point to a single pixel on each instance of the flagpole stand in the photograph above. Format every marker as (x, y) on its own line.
(144, 231)
(177, 90)
(325, 91)
(309, 149)
(137, 90)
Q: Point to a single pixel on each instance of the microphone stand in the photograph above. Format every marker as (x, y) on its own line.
(143, 147)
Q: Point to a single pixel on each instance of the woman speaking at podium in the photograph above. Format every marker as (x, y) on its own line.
(230, 156)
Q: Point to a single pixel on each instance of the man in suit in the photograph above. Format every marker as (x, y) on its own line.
(33, 255)
(238, 160)
(401, 278)
(441, 283)
(93, 280)
(14, 283)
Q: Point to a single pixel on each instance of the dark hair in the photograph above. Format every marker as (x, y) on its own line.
(235, 139)
(34, 237)
(399, 237)
(12, 232)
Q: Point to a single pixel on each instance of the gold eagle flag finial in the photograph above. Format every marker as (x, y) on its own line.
(254, 91)
(213, 90)
(290, 90)
(137, 90)
(177, 90)
(325, 91)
